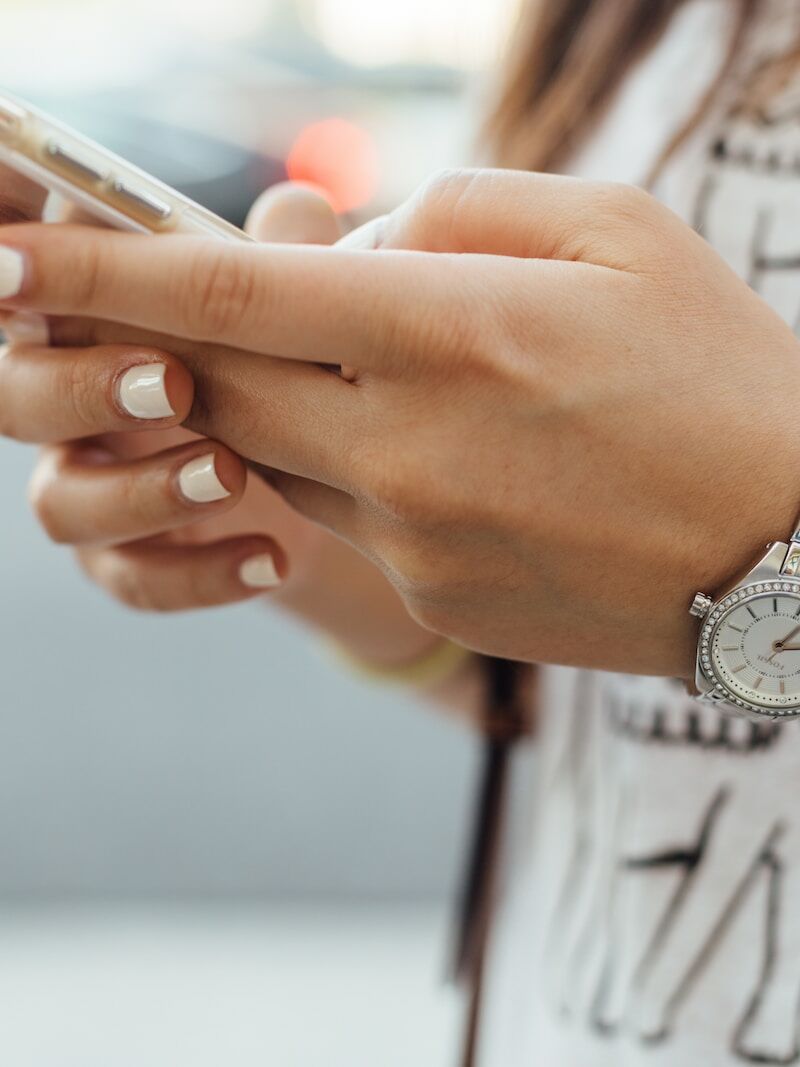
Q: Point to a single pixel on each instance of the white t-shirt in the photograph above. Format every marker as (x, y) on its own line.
(651, 913)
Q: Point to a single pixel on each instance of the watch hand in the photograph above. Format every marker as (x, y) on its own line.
(780, 646)
(788, 648)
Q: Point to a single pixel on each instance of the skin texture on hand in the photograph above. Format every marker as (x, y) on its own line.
(567, 413)
(117, 488)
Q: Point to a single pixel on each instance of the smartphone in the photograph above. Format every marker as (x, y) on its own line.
(109, 188)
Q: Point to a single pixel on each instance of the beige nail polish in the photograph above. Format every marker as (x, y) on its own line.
(27, 328)
(143, 393)
(199, 481)
(260, 572)
(12, 272)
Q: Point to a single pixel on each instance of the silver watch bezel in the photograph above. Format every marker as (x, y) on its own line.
(714, 619)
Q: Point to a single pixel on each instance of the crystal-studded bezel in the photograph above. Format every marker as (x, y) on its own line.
(715, 618)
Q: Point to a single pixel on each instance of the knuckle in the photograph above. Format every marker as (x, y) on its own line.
(627, 208)
(440, 198)
(81, 394)
(446, 187)
(216, 294)
(619, 225)
(86, 278)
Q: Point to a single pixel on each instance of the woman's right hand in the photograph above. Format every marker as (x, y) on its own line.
(162, 519)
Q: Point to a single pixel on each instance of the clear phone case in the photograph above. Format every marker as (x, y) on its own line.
(111, 189)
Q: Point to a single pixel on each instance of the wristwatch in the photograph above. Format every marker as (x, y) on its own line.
(748, 653)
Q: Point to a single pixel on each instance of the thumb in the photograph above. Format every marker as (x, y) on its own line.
(293, 214)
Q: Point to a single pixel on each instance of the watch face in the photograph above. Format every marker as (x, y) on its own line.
(750, 647)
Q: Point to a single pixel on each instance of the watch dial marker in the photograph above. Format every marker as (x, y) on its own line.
(744, 653)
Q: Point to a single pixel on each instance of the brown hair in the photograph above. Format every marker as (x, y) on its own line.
(568, 59)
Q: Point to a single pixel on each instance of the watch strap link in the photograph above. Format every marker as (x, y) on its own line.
(791, 563)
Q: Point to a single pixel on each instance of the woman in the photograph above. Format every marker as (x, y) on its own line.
(559, 415)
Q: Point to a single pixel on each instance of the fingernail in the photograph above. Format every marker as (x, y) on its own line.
(27, 328)
(259, 572)
(199, 482)
(12, 272)
(143, 394)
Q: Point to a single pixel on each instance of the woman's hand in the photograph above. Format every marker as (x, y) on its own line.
(165, 520)
(567, 413)
(162, 518)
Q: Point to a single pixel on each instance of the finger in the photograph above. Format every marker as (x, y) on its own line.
(310, 411)
(502, 212)
(82, 496)
(287, 212)
(49, 394)
(531, 216)
(293, 214)
(368, 238)
(169, 577)
(297, 303)
(299, 418)
(335, 510)
(352, 521)
(71, 331)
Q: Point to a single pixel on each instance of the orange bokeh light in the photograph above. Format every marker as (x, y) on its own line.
(340, 159)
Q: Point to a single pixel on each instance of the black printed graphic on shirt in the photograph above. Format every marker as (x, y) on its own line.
(748, 204)
(635, 982)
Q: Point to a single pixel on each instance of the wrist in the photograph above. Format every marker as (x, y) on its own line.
(744, 497)
(756, 511)
(748, 555)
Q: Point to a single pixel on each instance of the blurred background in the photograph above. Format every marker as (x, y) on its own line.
(215, 846)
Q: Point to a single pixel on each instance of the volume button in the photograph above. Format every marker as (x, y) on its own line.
(141, 201)
(67, 161)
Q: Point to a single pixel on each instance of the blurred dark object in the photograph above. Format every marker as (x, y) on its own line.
(224, 177)
(507, 720)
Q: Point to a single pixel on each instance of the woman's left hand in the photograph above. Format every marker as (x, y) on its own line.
(567, 413)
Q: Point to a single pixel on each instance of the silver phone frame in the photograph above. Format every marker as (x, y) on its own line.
(24, 139)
